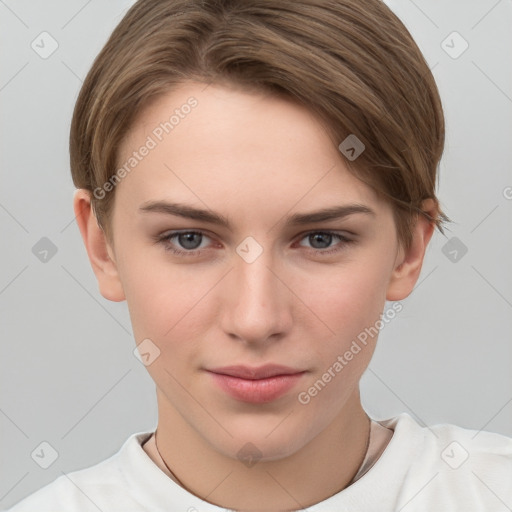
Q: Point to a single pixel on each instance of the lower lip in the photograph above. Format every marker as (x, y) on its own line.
(257, 391)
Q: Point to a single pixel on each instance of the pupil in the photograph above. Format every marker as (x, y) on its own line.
(320, 236)
(186, 240)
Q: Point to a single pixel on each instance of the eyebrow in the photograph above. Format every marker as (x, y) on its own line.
(297, 219)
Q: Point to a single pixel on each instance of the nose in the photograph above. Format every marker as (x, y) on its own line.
(256, 303)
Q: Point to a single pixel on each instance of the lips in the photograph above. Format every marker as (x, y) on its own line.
(256, 384)
(260, 372)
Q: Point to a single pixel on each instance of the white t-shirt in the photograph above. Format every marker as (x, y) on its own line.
(438, 468)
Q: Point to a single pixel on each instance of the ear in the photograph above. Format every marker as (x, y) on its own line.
(101, 254)
(409, 262)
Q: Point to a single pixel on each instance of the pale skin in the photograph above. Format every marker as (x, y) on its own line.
(255, 159)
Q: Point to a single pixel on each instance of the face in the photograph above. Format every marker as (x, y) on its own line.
(267, 286)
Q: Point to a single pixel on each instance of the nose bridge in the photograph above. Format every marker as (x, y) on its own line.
(255, 281)
(259, 303)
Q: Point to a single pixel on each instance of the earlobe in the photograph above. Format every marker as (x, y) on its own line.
(101, 254)
(409, 261)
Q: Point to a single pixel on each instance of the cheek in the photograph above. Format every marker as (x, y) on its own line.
(165, 301)
(154, 298)
(350, 304)
(347, 299)
(168, 310)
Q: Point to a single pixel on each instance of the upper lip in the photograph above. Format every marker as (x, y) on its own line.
(253, 373)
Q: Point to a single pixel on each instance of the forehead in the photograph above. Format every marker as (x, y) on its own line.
(225, 147)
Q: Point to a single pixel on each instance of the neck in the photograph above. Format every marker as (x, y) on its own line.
(313, 473)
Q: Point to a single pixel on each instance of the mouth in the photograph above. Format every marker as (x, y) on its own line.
(261, 384)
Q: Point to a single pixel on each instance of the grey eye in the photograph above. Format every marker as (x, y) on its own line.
(189, 240)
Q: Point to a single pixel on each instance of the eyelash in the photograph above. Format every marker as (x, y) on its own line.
(165, 239)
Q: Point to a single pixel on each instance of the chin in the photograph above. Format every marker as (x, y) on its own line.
(261, 440)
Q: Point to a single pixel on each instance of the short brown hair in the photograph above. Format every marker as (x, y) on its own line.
(352, 62)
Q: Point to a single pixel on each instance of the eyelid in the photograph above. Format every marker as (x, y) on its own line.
(166, 236)
(340, 232)
(336, 248)
(209, 234)
(344, 241)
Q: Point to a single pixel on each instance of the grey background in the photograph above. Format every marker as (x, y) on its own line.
(68, 373)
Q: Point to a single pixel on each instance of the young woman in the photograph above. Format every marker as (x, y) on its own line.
(256, 178)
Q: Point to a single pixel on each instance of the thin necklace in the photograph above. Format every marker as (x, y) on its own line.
(350, 483)
(170, 470)
(365, 452)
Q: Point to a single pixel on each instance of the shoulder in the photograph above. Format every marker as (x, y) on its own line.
(454, 444)
(88, 489)
(453, 465)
